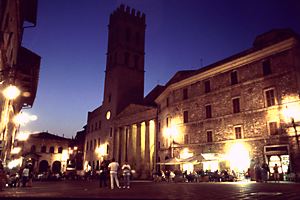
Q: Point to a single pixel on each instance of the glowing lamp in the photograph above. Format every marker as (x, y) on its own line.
(11, 92)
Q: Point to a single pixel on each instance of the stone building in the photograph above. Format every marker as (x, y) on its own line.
(46, 151)
(236, 112)
(19, 68)
(232, 114)
(125, 58)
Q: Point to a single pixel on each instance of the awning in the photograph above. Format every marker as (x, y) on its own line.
(171, 161)
(196, 159)
(212, 156)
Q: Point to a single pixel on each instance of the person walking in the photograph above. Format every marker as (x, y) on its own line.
(264, 172)
(276, 173)
(25, 176)
(126, 174)
(103, 174)
(113, 167)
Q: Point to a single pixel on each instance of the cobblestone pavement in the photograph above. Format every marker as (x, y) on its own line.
(150, 190)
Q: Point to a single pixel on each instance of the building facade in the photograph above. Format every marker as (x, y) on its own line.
(237, 112)
(125, 58)
(19, 68)
(233, 114)
(46, 152)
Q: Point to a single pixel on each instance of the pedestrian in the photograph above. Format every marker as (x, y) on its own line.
(126, 174)
(103, 174)
(276, 173)
(25, 176)
(264, 172)
(2, 177)
(113, 167)
(257, 170)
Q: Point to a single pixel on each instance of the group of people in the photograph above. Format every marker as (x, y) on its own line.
(21, 178)
(262, 172)
(113, 168)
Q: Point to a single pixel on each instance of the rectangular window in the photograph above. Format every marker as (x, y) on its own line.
(95, 144)
(234, 78)
(266, 67)
(207, 86)
(186, 139)
(111, 132)
(208, 111)
(98, 142)
(167, 121)
(236, 105)
(91, 144)
(87, 145)
(185, 93)
(167, 101)
(209, 136)
(99, 124)
(238, 132)
(185, 117)
(273, 128)
(270, 97)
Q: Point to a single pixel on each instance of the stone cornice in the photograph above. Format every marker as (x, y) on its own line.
(244, 60)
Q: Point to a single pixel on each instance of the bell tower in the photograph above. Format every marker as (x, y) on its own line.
(124, 75)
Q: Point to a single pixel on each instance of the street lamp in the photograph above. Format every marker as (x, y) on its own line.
(295, 128)
(11, 92)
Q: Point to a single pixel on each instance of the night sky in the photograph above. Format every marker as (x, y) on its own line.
(71, 38)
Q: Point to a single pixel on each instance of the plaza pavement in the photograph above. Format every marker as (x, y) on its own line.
(151, 190)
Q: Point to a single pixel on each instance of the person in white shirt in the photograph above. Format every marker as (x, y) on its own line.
(113, 167)
(126, 174)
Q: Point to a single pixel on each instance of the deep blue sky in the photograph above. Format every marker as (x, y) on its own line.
(71, 38)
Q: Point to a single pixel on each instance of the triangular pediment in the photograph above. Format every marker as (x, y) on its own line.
(133, 109)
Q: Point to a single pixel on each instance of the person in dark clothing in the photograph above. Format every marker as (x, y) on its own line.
(103, 174)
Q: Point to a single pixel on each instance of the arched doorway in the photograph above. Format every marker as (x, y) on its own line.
(43, 166)
(56, 167)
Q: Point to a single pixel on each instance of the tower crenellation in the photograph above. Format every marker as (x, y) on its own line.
(128, 12)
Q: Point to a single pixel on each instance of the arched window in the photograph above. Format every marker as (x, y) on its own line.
(43, 149)
(33, 149)
(60, 149)
(51, 150)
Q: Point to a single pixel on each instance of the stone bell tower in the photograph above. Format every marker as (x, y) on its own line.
(124, 75)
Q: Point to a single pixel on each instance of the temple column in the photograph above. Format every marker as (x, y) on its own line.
(138, 146)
